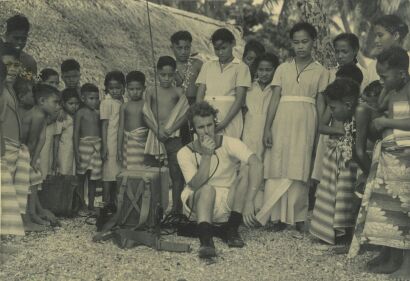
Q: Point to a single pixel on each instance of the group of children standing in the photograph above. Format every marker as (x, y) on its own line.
(306, 123)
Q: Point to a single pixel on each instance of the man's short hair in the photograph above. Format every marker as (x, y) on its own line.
(44, 91)
(115, 75)
(136, 76)
(350, 71)
(89, 87)
(202, 109)
(395, 57)
(47, 73)
(68, 94)
(224, 35)
(343, 89)
(3, 71)
(392, 24)
(181, 35)
(69, 65)
(7, 49)
(166, 61)
(17, 22)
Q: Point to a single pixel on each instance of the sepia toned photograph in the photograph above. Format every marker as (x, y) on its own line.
(204, 140)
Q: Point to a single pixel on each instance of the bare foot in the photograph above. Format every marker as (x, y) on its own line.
(30, 226)
(48, 216)
(392, 265)
(38, 220)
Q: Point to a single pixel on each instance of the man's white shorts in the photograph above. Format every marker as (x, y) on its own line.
(221, 207)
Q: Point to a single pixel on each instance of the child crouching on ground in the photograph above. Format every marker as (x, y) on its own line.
(334, 212)
(87, 142)
(132, 132)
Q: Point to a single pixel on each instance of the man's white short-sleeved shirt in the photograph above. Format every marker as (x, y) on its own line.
(229, 153)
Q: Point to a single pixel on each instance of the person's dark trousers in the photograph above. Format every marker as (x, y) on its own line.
(172, 146)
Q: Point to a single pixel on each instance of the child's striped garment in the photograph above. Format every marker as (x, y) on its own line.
(17, 158)
(90, 157)
(11, 221)
(133, 148)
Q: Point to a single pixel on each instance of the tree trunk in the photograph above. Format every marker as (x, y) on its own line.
(313, 12)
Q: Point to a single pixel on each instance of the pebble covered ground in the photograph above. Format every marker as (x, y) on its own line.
(68, 253)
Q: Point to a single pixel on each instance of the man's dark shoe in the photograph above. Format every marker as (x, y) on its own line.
(207, 251)
(233, 239)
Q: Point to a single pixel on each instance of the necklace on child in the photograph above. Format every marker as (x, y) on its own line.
(186, 77)
(304, 68)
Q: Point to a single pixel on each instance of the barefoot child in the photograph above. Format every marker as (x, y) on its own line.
(16, 155)
(186, 74)
(290, 131)
(132, 132)
(63, 155)
(50, 77)
(257, 101)
(110, 114)
(333, 213)
(164, 114)
(11, 209)
(34, 124)
(223, 83)
(87, 141)
(384, 215)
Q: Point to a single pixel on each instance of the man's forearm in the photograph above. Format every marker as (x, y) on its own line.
(199, 179)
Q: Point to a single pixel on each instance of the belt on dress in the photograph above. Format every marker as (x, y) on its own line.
(298, 99)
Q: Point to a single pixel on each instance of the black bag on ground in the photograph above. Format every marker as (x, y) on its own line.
(60, 195)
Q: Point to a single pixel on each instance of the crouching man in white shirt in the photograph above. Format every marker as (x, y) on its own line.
(214, 191)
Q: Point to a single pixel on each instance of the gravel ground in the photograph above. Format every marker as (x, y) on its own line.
(69, 254)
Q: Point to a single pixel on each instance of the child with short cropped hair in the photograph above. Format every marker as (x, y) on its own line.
(223, 83)
(87, 141)
(187, 72)
(71, 74)
(17, 31)
(63, 150)
(164, 114)
(109, 114)
(34, 124)
(132, 132)
(257, 101)
(333, 214)
(50, 77)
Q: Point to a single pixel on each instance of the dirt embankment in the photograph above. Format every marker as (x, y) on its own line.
(105, 34)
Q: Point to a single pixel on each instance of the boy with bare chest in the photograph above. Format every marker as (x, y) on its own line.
(132, 132)
(33, 126)
(164, 113)
(87, 141)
